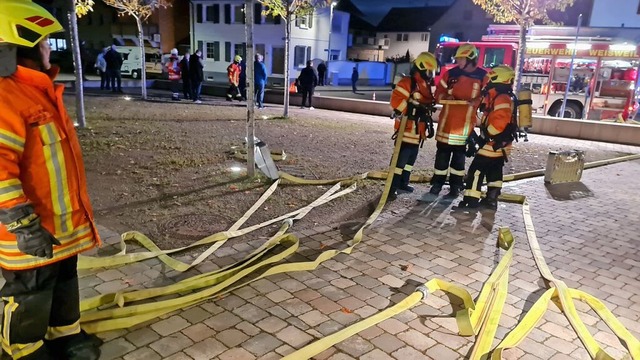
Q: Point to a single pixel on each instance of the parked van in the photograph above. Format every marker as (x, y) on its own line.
(132, 64)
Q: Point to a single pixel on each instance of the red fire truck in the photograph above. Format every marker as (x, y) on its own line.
(604, 79)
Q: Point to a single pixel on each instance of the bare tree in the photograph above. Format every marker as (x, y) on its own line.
(288, 10)
(140, 10)
(524, 13)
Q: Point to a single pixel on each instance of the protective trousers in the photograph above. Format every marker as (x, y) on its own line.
(39, 304)
(402, 171)
(483, 167)
(449, 160)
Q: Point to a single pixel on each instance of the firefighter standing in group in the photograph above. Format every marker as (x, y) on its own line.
(173, 70)
(456, 121)
(412, 98)
(233, 72)
(497, 132)
(45, 214)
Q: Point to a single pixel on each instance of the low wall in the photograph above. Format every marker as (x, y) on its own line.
(587, 130)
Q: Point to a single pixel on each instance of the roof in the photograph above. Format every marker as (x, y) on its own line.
(349, 7)
(356, 17)
(411, 19)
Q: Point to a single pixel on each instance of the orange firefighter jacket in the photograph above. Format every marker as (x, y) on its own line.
(456, 121)
(400, 97)
(233, 72)
(173, 68)
(41, 163)
(498, 113)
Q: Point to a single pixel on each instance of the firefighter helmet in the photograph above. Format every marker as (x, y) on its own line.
(237, 58)
(174, 51)
(426, 62)
(502, 74)
(468, 51)
(24, 23)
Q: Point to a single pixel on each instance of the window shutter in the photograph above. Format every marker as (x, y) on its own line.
(227, 13)
(198, 13)
(276, 20)
(216, 13)
(310, 22)
(201, 48)
(298, 21)
(227, 51)
(257, 13)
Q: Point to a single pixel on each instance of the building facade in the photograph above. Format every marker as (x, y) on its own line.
(625, 13)
(218, 29)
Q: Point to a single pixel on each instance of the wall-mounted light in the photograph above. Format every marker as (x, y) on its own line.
(579, 46)
(623, 47)
(538, 45)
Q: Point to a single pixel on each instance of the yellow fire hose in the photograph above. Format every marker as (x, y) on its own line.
(127, 308)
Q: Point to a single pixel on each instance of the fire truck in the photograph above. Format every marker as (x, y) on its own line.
(604, 78)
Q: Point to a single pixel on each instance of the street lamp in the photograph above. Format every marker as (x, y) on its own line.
(333, 4)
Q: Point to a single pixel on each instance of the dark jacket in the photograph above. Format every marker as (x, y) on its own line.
(322, 68)
(195, 68)
(184, 68)
(354, 75)
(308, 78)
(260, 75)
(113, 59)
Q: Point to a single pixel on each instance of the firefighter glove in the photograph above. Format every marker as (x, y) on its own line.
(430, 130)
(32, 238)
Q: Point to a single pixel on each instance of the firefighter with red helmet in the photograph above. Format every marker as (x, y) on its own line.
(412, 98)
(457, 118)
(45, 213)
(497, 131)
(233, 73)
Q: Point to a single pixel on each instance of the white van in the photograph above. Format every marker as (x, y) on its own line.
(132, 65)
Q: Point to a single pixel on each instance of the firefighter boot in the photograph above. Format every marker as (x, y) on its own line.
(454, 191)
(468, 202)
(405, 188)
(435, 189)
(81, 346)
(491, 200)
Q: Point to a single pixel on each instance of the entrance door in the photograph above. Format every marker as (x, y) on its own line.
(277, 60)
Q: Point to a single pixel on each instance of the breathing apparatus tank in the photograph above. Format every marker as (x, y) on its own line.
(524, 109)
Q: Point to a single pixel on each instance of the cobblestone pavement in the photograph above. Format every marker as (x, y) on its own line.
(588, 233)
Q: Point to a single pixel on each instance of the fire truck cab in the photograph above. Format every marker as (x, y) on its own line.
(604, 77)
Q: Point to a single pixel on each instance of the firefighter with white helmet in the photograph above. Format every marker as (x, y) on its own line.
(462, 84)
(45, 213)
(412, 98)
(497, 131)
(173, 71)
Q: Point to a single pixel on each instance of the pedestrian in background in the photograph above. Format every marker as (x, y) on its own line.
(173, 71)
(322, 73)
(196, 67)
(45, 210)
(308, 80)
(101, 65)
(186, 75)
(354, 79)
(260, 80)
(114, 63)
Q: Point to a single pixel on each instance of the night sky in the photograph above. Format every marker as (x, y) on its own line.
(377, 9)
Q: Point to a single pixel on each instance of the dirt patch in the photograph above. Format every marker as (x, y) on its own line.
(164, 168)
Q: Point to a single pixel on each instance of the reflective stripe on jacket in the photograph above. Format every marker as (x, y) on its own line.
(457, 121)
(399, 101)
(173, 68)
(499, 112)
(41, 163)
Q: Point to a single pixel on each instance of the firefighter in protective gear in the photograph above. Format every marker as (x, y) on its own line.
(173, 71)
(45, 214)
(412, 98)
(496, 135)
(456, 121)
(233, 72)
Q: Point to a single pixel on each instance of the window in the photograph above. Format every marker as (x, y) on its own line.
(300, 56)
(467, 15)
(424, 37)
(213, 51)
(58, 44)
(260, 49)
(402, 37)
(493, 57)
(238, 14)
(213, 13)
(198, 13)
(305, 22)
(240, 49)
(227, 51)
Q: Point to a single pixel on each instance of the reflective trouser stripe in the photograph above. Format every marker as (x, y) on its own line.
(54, 332)
(456, 172)
(408, 167)
(495, 184)
(16, 351)
(474, 191)
(441, 172)
(398, 171)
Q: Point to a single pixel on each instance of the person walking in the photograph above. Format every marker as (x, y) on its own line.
(114, 63)
(412, 98)
(322, 73)
(45, 209)
(354, 79)
(457, 120)
(260, 80)
(497, 132)
(186, 75)
(101, 65)
(233, 74)
(173, 71)
(308, 80)
(196, 69)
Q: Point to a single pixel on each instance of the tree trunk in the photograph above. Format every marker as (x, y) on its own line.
(249, 85)
(522, 47)
(287, 40)
(77, 59)
(143, 71)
